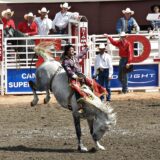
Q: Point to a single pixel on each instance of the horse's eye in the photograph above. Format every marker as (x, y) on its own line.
(103, 128)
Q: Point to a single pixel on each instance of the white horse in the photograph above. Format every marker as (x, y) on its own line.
(51, 76)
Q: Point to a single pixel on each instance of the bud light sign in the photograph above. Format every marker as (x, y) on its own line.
(142, 76)
(17, 80)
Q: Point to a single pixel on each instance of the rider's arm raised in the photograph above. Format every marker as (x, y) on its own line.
(82, 53)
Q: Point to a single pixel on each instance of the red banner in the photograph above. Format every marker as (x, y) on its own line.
(1, 44)
(83, 36)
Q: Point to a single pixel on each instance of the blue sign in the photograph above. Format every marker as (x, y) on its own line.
(17, 80)
(142, 76)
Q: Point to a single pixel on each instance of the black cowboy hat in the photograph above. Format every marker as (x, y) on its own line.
(153, 6)
(128, 70)
(66, 49)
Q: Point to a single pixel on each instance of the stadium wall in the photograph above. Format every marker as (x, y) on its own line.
(102, 15)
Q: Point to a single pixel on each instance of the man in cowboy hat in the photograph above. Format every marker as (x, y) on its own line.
(7, 18)
(155, 9)
(104, 69)
(8, 22)
(43, 22)
(28, 27)
(125, 53)
(60, 22)
(127, 23)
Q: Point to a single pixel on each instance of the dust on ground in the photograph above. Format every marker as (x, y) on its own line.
(46, 132)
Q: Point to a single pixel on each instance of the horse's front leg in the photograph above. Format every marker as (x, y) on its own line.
(34, 88)
(81, 147)
(47, 98)
(98, 145)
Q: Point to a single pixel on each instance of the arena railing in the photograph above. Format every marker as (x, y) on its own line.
(19, 55)
(97, 39)
(146, 75)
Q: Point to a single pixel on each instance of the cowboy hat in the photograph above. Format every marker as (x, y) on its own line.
(102, 46)
(128, 10)
(30, 14)
(122, 34)
(43, 10)
(155, 5)
(65, 5)
(7, 11)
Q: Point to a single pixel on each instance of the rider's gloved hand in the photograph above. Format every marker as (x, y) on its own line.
(94, 76)
(75, 76)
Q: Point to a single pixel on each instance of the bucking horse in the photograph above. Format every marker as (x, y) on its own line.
(50, 76)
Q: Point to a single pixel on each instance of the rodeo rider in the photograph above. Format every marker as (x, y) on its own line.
(70, 62)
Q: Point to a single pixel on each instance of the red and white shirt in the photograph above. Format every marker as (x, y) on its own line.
(25, 27)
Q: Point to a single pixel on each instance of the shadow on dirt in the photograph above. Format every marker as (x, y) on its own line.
(22, 148)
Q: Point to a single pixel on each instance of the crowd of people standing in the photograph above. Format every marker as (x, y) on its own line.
(43, 25)
(39, 25)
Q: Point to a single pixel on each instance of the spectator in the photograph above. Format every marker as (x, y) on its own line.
(8, 22)
(61, 20)
(127, 23)
(155, 9)
(43, 22)
(104, 70)
(7, 18)
(125, 53)
(28, 27)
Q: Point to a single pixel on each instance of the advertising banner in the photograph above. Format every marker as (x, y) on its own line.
(17, 80)
(142, 76)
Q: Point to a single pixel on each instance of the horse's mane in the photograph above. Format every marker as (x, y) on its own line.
(104, 108)
(42, 49)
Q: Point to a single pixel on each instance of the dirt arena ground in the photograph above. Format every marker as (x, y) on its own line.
(46, 132)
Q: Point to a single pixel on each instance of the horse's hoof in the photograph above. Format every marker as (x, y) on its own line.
(102, 148)
(99, 146)
(46, 100)
(82, 149)
(32, 104)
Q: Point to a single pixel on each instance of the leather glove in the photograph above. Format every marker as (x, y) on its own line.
(75, 76)
(94, 76)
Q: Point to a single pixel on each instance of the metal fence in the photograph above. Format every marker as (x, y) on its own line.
(18, 65)
(19, 58)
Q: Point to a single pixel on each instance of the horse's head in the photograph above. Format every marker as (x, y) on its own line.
(99, 128)
(102, 123)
